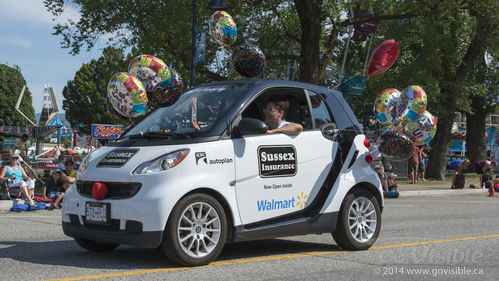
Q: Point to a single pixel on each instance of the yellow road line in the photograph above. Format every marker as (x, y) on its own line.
(249, 260)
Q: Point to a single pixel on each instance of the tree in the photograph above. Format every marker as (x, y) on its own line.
(85, 95)
(287, 31)
(11, 84)
(482, 21)
(484, 93)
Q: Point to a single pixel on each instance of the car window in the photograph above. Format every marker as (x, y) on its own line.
(194, 113)
(319, 110)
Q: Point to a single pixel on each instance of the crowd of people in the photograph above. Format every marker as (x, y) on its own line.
(15, 177)
(417, 165)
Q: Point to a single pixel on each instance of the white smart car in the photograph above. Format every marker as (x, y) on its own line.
(202, 172)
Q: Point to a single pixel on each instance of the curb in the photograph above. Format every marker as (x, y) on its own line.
(442, 192)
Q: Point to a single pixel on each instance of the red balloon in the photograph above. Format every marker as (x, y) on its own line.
(383, 57)
(99, 191)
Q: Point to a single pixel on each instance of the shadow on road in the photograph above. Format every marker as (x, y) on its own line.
(68, 253)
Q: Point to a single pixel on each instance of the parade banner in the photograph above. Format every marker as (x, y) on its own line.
(102, 131)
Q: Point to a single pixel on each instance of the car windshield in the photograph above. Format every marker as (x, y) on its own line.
(193, 115)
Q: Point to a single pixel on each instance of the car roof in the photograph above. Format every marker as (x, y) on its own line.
(333, 97)
(264, 83)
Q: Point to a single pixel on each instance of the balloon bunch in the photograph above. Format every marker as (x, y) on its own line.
(247, 60)
(148, 79)
(406, 121)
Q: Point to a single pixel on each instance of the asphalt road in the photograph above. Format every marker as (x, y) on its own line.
(450, 238)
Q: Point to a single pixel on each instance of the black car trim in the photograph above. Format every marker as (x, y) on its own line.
(320, 223)
(146, 239)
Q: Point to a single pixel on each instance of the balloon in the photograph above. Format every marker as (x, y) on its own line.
(412, 104)
(223, 28)
(423, 130)
(113, 111)
(385, 106)
(395, 146)
(151, 71)
(127, 95)
(383, 57)
(169, 95)
(248, 60)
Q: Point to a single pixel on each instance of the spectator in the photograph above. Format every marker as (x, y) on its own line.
(46, 175)
(392, 184)
(487, 179)
(392, 187)
(413, 164)
(456, 167)
(61, 164)
(377, 157)
(422, 163)
(15, 173)
(67, 179)
(275, 111)
(382, 177)
(52, 186)
(68, 174)
(481, 167)
(21, 144)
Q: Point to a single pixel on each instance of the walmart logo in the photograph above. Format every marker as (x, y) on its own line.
(270, 205)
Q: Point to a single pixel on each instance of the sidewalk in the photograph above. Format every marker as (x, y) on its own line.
(428, 189)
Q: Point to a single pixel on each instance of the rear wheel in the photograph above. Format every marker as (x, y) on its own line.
(196, 231)
(359, 221)
(95, 246)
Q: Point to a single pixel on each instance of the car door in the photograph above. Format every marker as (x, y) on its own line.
(278, 175)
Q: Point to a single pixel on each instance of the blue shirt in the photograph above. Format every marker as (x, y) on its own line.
(18, 173)
(454, 165)
(52, 185)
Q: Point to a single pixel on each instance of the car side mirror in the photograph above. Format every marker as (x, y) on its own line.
(251, 126)
(330, 131)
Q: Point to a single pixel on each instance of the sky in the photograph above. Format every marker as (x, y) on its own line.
(26, 40)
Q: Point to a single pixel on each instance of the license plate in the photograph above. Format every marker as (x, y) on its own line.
(97, 213)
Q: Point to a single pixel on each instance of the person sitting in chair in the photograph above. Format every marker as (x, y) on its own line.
(275, 111)
(16, 175)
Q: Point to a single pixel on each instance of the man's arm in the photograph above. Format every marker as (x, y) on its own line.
(67, 179)
(291, 129)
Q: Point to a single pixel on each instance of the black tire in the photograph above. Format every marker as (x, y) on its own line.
(95, 246)
(357, 240)
(204, 238)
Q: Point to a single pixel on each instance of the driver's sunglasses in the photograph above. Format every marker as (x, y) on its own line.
(273, 109)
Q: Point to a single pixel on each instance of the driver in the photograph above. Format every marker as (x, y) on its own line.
(275, 111)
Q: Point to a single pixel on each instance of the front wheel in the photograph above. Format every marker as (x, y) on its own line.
(196, 231)
(359, 221)
(95, 246)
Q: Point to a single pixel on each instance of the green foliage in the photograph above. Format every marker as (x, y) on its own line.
(85, 95)
(432, 49)
(66, 142)
(11, 84)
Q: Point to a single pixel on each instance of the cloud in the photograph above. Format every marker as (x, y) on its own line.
(33, 12)
(16, 41)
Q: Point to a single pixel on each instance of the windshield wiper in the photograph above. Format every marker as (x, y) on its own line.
(163, 135)
(150, 135)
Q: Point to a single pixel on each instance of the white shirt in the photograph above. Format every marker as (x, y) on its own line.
(373, 149)
(284, 123)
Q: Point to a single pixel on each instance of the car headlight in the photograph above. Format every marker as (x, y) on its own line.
(162, 163)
